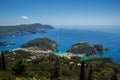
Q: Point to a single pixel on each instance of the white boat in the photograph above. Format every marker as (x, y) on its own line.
(8, 46)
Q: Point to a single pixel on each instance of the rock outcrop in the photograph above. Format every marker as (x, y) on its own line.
(99, 47)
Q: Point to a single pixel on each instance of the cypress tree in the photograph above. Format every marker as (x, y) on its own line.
(56, 73)
(82, 71)
(3, 63)
(0, 63)
(90, 75)
(114, 77)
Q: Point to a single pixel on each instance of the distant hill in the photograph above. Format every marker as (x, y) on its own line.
(24, 29)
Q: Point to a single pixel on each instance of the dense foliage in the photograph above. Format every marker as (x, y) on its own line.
(23, 29)
(3, 62)
(82, 48)
(4, 75)
(41, 44)
(19, 68)
(86, 48)
(53, 67)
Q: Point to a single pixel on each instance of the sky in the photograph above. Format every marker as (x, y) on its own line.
(60, 12)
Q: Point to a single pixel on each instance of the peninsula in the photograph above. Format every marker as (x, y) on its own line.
(40, 45)
(85, 49)
(24, 29)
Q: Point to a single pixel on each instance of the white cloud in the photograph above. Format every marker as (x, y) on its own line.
(24, 17)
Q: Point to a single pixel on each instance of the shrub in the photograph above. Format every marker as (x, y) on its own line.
(4, 75)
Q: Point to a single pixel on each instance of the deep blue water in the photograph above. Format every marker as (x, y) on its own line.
(67, 37)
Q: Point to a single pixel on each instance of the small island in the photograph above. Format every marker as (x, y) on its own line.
(24, 29)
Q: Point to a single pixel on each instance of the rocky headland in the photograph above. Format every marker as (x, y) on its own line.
(24, 29)
(85, 49)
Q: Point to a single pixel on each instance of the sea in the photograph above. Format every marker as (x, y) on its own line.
(66, 37)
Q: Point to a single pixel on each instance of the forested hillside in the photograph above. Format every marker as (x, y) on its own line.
(21, 65)
(24, 29)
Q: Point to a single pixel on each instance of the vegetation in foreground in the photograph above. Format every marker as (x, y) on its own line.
(17, 66)
(35, 62)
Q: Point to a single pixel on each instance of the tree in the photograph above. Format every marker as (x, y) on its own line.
(90, 75)
(82, 71)
(4, 75)
(114, 77)
(56, 73)
(19, 68)
(3, 63)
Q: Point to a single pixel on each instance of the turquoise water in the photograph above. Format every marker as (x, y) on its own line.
(66, 37)
(60, 52)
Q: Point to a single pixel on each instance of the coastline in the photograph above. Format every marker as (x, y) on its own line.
(67, 40)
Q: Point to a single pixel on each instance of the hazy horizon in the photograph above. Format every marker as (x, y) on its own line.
(102, 28)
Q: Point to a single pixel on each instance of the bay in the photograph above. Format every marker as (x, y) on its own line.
(67, 37)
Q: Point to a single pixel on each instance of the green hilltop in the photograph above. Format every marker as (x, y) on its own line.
(41, 44)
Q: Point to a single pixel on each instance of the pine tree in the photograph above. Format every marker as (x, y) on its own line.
(3, 63)
(82, 71)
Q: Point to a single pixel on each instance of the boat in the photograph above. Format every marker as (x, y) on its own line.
(8, 46)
